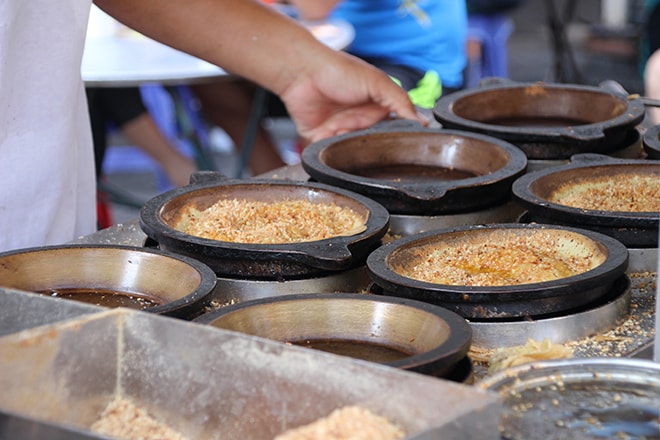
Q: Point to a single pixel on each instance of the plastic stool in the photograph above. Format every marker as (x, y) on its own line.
(103, 212)
(492, 32)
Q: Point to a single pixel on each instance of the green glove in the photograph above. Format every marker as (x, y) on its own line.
(428, 90)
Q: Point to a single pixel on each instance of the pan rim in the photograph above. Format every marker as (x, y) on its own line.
(457, 343)
(443, 112)
(614, 265)
(524, 195)
(377, 218)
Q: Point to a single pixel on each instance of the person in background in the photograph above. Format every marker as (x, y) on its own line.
(420, 44)
(47, 178)
(491, 7)
(124, 109)
(227, 103)
(651, 57)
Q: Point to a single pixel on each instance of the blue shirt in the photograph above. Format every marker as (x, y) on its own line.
(422, 34)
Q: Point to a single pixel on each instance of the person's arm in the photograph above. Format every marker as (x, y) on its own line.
(313, 9)
(326, 92)
(652, 84)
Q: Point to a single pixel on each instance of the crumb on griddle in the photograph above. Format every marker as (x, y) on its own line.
(627, 337)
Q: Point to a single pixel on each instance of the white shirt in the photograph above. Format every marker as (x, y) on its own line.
(47, 181)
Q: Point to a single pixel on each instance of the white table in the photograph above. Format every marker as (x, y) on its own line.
(128, 61)
(126, 58)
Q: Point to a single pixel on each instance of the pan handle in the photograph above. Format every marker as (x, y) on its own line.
(615, 87)
(490, 81)
(648, 102)
(587, 158)
(395, 124)
(434, 192)
(585, 134)
(332, 256)
(205, 176)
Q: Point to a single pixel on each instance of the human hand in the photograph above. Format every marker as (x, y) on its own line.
(344, 94)
(326, 92)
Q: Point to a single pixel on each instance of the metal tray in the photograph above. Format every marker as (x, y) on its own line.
(209, 383)
(579, 399)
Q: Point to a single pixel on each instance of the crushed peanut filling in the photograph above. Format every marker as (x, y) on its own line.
(347, 423)
(504, 258)
(618, 193)
(258, 222)
(124, 420)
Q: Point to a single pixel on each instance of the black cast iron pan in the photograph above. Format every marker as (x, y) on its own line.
(262, 261)
(547, 121)
(389, 264)
(634, 229)
(414, 170)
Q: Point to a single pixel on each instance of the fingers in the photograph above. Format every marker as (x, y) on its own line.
(351, 119)
(356, 118)
(399, 104)
(347, 96)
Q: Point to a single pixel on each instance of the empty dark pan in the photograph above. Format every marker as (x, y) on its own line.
(547, 121)
(418, 171)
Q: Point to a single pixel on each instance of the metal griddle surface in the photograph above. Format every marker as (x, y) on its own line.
(632, 338)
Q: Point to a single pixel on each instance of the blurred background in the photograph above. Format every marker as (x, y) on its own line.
(580, 42)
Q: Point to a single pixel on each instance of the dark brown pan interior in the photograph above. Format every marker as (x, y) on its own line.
(538, 106)
(415, 157)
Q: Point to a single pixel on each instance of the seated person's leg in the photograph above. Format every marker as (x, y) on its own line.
(651, 72)
(652, 84)
(124, 108)
(227, 104)
(98, 120)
